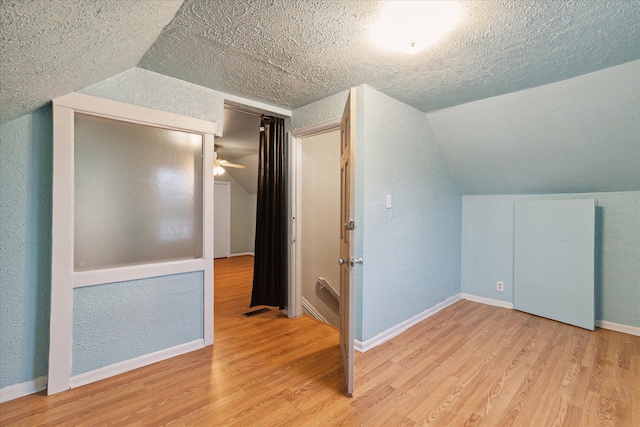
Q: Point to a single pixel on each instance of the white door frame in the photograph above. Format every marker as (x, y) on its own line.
(64, 279)
(294, 303)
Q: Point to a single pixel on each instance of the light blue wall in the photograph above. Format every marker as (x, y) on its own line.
(145, 88)
(487, 246)
(25, 246)
(25, 221)
(580, 135)
(411, 251)
(120, 321)
(98, 303)
(487, 250)
(319, 111)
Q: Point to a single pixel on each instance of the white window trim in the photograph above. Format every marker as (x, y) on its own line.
(63, 277)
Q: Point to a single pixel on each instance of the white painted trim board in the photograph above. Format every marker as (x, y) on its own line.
(604, 324)
(63, 276)
(382, 337)
(16, 391)
(312, 310)
(135, 363)
(242, 254)
(618, 327)
(487, 301)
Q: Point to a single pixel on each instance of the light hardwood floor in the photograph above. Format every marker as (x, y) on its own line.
(468, 365)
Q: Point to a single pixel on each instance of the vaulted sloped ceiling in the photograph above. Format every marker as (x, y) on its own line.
(580, 135)
(53, 47)
(502, 129)
(293, 52)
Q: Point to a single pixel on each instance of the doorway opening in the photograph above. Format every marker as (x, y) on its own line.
(318, 214)
(238, 146)
(314, 198)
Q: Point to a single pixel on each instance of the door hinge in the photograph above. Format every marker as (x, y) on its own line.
(350, 225)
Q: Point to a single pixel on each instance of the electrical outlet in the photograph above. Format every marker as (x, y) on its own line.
(500, 286)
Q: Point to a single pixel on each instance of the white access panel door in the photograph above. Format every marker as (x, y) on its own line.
(554, 260)
(222, 219)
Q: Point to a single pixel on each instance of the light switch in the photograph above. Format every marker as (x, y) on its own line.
(388, 201)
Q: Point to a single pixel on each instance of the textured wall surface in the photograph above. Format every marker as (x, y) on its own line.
(120, 321)
(411, 251)
(293, 52)
(152, 90)
(25, 246)
(575, 136)
(48, 49)
(326, 109)
(25, 218)
(317, 112)
(487, 246)
(487, 250)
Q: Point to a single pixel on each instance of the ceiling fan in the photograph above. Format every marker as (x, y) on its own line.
(218, 164)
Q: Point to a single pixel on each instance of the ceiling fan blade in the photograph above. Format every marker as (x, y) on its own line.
(226, 164)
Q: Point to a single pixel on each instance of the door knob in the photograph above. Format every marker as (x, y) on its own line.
(343, 261)
(356, 261)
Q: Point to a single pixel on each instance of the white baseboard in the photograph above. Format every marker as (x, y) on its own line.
(604, 324)
(242, 254)
(488, 301)
(626, 329)
(396, 330)
(135, 363)
(23, 389)
(312, 311)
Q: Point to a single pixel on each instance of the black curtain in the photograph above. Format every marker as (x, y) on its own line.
(270, 265)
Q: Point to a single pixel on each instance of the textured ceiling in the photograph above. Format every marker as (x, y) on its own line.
(53, 47)
(580, 135)
(293, 52)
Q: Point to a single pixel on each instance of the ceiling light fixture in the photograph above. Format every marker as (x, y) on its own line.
(219, 162)
(410, 26)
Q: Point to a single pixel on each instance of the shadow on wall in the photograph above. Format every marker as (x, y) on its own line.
(598, 277)
(327, 293)
(41, 130)
(26, 159)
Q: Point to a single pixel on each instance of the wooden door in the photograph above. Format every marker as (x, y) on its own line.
(347, 226)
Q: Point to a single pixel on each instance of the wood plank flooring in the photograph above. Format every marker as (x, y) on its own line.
(468, 365)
